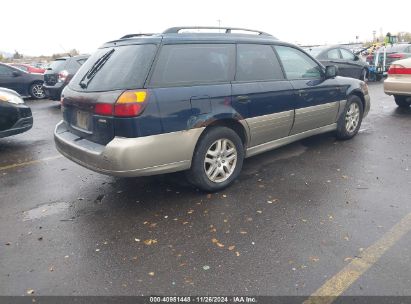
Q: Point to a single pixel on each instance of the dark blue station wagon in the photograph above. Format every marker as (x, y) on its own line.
(201, 102)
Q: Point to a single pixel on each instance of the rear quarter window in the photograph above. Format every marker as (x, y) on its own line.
(180, 64)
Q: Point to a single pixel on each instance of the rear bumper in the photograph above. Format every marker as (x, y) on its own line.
(54, 92)
(142, 156)
(397, 86)
(22, 125)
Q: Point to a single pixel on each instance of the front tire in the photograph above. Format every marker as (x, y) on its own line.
(350, 121)
(401, 101)
(217, 159)
(37, 91)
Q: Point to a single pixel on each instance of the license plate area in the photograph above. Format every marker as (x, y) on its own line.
(82, 121)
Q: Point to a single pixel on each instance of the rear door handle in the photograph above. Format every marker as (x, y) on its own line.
(243, 98)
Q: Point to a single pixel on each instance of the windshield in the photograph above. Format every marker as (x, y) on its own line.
(118, 68)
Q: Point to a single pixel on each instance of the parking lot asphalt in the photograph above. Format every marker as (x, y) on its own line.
(296, 219)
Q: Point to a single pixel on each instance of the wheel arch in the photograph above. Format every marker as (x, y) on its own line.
(233, 124)
(360, 95)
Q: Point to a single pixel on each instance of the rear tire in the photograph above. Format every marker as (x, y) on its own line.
(217, 159)
(350, 120)
(401, 101)
(37, 91)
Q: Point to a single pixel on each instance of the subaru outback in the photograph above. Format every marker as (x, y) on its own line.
(200, 102)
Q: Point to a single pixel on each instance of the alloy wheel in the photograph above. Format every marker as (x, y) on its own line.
(352, 118)
(220, 160)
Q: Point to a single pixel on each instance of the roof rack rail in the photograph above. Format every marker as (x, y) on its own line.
(227, 30)
(136, 35)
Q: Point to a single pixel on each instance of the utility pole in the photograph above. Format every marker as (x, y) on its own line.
(219, 25)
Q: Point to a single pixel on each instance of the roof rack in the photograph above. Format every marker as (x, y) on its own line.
(227, 30)
(136, 35)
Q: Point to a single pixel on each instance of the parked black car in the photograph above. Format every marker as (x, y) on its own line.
(200, 102)
(24, 83)
(349, 65)
(15, 116)
(59, 74)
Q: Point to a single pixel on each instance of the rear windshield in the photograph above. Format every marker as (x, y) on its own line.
(126, 68)
(57, 65)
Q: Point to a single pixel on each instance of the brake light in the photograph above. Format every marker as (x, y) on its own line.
(105, 109)
(396, 56)
(398, 69)
(130, 103)
(63, 76)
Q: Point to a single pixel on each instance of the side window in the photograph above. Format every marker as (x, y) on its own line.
(5, 71)
(347, 54)
(194, 63)
(298, 65)
(333, 54)
(257, 62)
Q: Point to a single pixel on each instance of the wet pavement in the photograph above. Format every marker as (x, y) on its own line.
(295, 218)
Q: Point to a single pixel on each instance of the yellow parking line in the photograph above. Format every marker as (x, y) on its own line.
(32, 162)
(340, 282)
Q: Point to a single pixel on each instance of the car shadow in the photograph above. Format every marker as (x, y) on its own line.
(402, 111)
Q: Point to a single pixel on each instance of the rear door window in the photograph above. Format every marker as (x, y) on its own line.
(180, 64)
(333, 54)
(297, 64)
(126, 68)
(257, 62)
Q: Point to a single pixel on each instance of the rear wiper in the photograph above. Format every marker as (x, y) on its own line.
(84, 82)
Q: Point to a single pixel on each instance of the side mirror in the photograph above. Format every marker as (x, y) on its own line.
(15, 73)
(331, 71)
(356, 58)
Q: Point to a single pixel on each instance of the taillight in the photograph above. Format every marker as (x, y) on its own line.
(398, 69)
(396, 56)
(129, 104)
(63, 76)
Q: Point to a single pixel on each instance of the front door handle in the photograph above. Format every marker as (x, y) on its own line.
(302, 93)
(243, 98)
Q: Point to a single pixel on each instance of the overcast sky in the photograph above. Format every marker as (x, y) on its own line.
(49, 26)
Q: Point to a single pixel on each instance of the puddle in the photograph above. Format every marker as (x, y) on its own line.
(45, 210)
